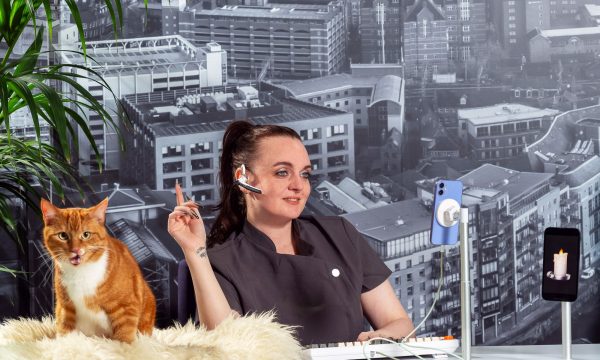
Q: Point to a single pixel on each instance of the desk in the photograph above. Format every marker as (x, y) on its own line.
(531, 352)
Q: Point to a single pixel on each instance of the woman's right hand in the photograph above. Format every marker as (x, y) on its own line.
(183, 225)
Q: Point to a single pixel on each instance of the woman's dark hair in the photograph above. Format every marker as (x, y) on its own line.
(240, 143)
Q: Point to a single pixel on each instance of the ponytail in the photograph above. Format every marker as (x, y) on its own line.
(240, 143)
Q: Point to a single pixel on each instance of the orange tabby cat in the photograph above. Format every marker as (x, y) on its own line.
(99, 286)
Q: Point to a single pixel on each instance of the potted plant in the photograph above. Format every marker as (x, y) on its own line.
(25, 85)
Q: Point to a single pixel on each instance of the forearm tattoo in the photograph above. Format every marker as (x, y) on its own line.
(201, 252)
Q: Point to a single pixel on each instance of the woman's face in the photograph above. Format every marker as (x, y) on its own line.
(281, 169)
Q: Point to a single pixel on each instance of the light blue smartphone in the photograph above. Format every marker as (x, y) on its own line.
(446, 193)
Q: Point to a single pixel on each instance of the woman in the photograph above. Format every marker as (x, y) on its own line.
(316, 272)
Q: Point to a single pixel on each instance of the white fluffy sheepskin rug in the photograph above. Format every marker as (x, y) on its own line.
(249, 337)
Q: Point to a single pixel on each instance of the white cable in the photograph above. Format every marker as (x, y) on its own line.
(435, 298)
(406, 347)
(430, 348)
(368, 342)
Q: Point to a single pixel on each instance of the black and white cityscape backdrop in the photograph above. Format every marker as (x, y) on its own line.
(388, 96)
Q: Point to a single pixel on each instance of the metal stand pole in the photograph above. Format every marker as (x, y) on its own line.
(465, 285)
(565, 308)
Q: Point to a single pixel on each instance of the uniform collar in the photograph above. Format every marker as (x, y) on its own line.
(259, 238)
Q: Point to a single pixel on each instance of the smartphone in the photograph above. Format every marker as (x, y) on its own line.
(446, 192)
(560, 276)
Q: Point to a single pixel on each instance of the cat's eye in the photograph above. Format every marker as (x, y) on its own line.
(86, 235)
(63, 236)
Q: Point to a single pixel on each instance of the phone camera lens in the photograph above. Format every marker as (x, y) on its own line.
(441, 185)
(441, 192)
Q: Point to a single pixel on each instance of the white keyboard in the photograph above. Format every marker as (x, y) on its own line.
(438, 347)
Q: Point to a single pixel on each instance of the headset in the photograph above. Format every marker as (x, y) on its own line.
(242, 181)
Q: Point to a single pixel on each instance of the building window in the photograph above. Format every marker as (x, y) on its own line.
(200, 164)
(172, 167)
(171, 151)
(202, 195)
(313, 149)
(203, 179)
(170, 183)
(482, 131)
(316, 164)
(201, 147)
(310, 134)
(336, 130)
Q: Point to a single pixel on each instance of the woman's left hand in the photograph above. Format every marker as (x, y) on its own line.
(366, 335)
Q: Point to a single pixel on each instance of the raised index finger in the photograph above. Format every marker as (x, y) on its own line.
(178, 193)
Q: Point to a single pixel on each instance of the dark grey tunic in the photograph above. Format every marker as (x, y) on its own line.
(318, 289)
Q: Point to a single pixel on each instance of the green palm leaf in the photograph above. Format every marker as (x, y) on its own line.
(25, 84)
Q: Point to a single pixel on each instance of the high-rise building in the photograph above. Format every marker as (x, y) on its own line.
(400, 233)
(279, 40)
(426, 46)
(569, 150)
(467, 25)
(510, 210)
(508, 17)
(380, 30)
(177, 135)
(495, 134)
(140, 65)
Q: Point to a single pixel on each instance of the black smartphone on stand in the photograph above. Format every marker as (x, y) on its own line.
(560, 276)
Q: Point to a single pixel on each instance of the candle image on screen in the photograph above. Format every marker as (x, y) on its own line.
(560, 265)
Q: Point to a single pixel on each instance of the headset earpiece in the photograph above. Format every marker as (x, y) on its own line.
(243, 182)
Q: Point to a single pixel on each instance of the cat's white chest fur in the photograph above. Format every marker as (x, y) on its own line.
(80, 282)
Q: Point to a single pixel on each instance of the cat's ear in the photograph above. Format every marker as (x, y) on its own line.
(49, 211)
(98, 212)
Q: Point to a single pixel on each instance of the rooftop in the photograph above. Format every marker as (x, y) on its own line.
(276, 11)
(393, 221)
(592, 9)
(357, 192)
(425, 5)
(556, 33)
(302, 88)
(475, 195)
(513, 182)
(286, 110)
(564, 144)
(502, 113)
(588, 169)
(589, 122)
(141, 242)
(339, 198)
(387, 88)
(144, 53)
